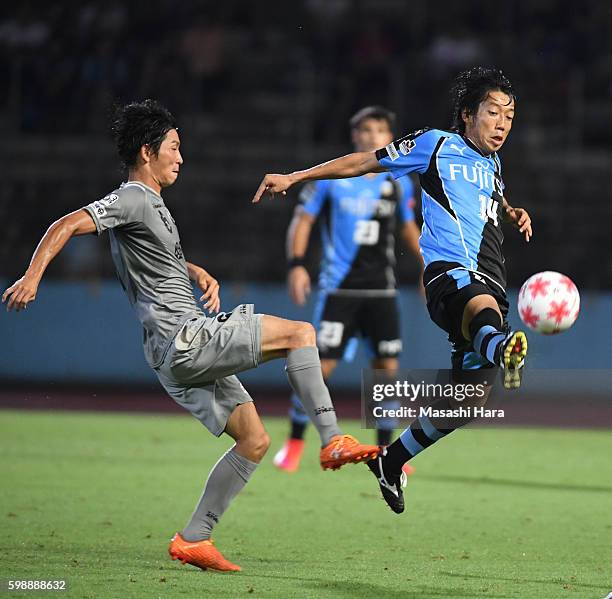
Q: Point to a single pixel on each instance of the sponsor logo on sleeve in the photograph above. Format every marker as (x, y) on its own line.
(110, 199)
(392, 152)
(406, 146)
(99, 209)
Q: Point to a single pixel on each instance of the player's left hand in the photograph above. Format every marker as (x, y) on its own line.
(20, 294)
(210, 286)
(520, 218)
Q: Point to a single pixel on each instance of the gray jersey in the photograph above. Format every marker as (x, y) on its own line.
(147, 253)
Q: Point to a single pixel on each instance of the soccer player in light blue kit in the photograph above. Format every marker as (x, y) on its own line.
(357, 290)
(463, 208)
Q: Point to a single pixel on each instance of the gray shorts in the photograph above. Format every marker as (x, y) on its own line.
(199, 369)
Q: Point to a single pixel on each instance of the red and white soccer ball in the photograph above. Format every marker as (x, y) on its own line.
(549, 302)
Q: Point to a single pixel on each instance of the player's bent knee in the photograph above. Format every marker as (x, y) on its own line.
(304, 335)
(264, 443)
(301, 334)
(255, 446)
(260, 446)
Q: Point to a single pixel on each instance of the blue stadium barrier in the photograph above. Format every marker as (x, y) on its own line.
(87, 332)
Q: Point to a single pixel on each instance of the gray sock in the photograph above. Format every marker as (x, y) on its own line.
(304, 374)
(225, 481)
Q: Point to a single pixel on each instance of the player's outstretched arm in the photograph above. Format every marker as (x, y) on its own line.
(351, 165)
(520, 218)
(23, 291)
(208, 284)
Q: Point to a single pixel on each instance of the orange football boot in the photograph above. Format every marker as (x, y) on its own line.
(202, 554)
(345, 449)
(289, 456)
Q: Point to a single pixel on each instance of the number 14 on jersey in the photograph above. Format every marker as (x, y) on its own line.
(488, 208)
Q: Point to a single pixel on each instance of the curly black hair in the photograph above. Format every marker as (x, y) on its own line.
(471, 88)
(138, 124)
(378, 113)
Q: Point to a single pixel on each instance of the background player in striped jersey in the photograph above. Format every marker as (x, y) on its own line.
(463, 208)
(358, 220)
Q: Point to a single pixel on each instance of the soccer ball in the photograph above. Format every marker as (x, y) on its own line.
(548, 302)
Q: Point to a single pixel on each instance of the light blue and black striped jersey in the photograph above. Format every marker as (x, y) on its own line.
(358, 220)
(462, 197)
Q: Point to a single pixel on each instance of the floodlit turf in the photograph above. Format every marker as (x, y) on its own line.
(94, 499)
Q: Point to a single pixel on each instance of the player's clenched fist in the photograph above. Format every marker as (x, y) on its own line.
(20, 294)
(273, 184)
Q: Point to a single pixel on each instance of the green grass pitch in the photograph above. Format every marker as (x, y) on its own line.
(495, 513)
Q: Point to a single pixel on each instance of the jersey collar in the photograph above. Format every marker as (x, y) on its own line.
(474, 147)
(141, 184)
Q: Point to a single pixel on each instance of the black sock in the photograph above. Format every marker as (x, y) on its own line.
(420, 435)
(383, 436)
(395, 457)
(297, 430)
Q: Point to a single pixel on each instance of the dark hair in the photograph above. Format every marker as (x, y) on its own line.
(472, 87)
(138, 124)
(372, 112)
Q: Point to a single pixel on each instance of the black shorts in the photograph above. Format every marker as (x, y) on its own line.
(340, 319)
(449, 287)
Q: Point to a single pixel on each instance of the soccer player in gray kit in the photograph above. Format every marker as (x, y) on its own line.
(195, 357)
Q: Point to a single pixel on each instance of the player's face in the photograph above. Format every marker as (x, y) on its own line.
(372, 134)
(490, 126)
(165, 166)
